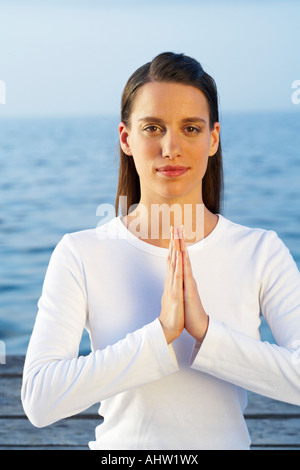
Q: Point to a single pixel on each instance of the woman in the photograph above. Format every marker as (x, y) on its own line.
(174, 314)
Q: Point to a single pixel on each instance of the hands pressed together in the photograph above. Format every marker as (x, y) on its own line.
(181, 306)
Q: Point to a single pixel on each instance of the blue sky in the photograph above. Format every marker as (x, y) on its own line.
(74, 57)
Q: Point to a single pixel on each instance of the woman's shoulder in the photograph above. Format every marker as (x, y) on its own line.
(87, 238)
(253, 238)
(105, 229)
(250, 235)
(241, 229)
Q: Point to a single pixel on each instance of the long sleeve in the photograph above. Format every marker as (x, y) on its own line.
(56, 382)
(272, 370)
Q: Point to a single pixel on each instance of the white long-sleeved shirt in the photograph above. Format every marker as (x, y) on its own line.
(155, 396)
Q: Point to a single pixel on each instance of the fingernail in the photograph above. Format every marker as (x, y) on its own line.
(182, 231)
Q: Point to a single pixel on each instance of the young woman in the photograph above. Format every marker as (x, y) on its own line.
(171, 299)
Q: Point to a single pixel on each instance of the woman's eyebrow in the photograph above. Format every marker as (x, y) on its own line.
(150, 118)
(193, 119)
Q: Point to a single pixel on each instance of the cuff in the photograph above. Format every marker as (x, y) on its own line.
(203, 354)
(164, 353)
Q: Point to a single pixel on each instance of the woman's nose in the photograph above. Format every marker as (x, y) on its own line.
(171, 145)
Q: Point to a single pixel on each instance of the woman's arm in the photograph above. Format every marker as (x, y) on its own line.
(56, 382)
(272, 370)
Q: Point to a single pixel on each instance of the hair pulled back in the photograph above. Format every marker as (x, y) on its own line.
(177, 68)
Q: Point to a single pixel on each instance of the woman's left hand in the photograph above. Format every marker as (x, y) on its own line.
(195, 318)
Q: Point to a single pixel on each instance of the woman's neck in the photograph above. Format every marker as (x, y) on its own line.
(152, 222)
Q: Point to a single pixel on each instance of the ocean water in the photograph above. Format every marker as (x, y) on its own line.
(55, 172)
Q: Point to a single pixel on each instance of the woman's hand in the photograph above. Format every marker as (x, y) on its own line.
(172, 308)
(195, 318)
(181, 306)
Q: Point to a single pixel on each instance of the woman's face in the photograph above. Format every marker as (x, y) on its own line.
(170, 140)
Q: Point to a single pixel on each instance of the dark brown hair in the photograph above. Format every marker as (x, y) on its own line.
(178, 68)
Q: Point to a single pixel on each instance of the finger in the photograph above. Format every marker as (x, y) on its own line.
(171, 243)
(174, 250)
(176, 239)
(183, 246)
(186, 259)
(188, 278)
(170, 261)
(178, 275)
(175, 270)
(181, 237)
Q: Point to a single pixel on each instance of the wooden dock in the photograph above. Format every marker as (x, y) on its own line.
(273, 425)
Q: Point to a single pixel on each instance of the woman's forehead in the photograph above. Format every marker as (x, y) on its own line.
(159, 98)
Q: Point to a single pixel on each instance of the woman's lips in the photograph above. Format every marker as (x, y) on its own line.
(172, 171)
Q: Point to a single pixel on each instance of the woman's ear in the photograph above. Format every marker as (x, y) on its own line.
(215, 139)
(124, 139)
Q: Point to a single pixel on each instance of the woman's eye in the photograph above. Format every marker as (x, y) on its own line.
(152, 129)
(192, 130)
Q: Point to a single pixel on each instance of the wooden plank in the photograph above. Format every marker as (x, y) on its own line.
(275, 432)
(10, 398)
(16, 432)
(10, 403)
(78, 432)
(13, 366)
(13, 369)
(272, 424)
(264, 406)
(71, 432)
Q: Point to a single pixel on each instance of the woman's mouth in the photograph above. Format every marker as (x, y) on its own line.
(172, 171)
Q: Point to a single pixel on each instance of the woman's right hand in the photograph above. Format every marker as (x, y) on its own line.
(172, 302)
